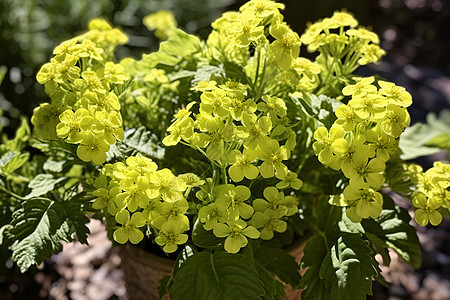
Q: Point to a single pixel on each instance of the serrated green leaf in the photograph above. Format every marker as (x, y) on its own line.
(441, 141)
(280, 263)
(179, 45)
(217, 276)
(425, 139)
(270, 284)
(340, 263)
(5, 158)
(392, 227)
(144, 142)
(235, 71)
(13, 163)
(20, 139)
(204, 73)
(54, 166)
(353, 268)
(380, 247)
(42, 184)
(313, 256)
(40, 226)
(323, 109)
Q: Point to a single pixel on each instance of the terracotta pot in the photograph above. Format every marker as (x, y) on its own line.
(143, 271)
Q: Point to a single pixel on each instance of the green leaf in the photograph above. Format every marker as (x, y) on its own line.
(323, 109)
(184, 254)
(204, 238)
(280, 263)
(19, 141)
(179, 45)
(163, 286)
(54, 166)
(42, 184)
(217, 276)
(313, 256)
(233, 70)
(380, 247)
(392, 227)
(204, 73)
(142, 141)
(270, 284)
(12, 161)
(426, 139)
(340, 262)
(442, 141)
(349, 267)
(40, 226)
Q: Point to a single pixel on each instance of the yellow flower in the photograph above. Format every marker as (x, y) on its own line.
(347, 117)
(247, 30)
(272, 155)
(427, 211)
(261, 8)
(232, 200)
(242, 165)
(324, 140)
(286, 47)
(236, 233)
(366, 202)
(362, 170)
(166, 185)
(342, 19)
(290, 180)
(92, 149)
(361, 87)
(130, 227)
(268, 222)
(72, 124)
(163, 22)
(395, 121)
(170, 236)
(364, 34)
(395, 94)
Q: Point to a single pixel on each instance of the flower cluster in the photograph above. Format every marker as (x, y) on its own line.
(339, 33)
(162, 22)
(81, 81)
(361, 141)
(247, 141)
(433, 192)
(259, 25)
(137, 194)
(343, 47)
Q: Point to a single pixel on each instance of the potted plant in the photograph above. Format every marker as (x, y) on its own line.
(221, 154)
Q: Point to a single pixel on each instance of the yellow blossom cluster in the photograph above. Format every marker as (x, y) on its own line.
(81, 81)
(246, 140)
(361, 141)
(433, 192)
(137, 194)
(339, 36)
(259, 25)
(162, 22)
